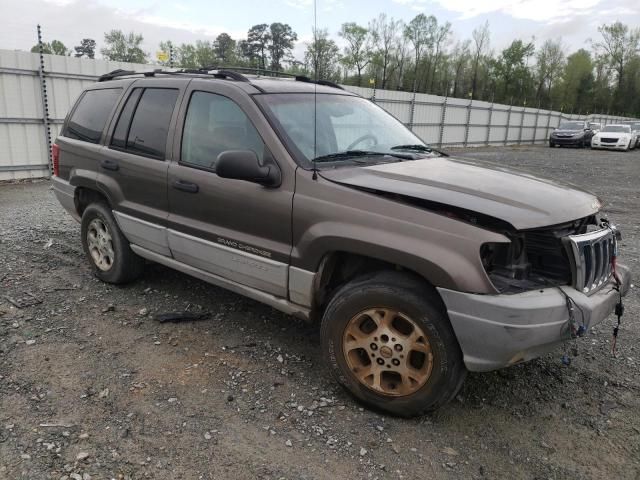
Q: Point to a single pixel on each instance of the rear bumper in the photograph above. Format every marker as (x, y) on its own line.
(496, 331)
(65, 193)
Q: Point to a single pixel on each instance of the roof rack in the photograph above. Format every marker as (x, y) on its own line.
(232, 73)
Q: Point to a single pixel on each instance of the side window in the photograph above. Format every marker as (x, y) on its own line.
(119, 138)
(215, 124)
(91, 114)
(146, 132)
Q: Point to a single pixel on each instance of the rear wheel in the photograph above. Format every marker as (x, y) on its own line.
(107, 249)
(388, 341)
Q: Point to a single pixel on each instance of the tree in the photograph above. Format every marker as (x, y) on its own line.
(87, 48)
(549, 63)
(186, 56)
(257, 40)
(225, 48)
(460, 59)
(56, 47)
(618, 46)
(419, 32)
(357, 53)
(480, 38)
(384, 34)
(322, 56)
(123, 48)
(511, 69)
(280, 43)
(439, 41)
(577, 81)
(205, 54)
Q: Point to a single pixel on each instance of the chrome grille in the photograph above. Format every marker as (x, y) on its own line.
(591, 254)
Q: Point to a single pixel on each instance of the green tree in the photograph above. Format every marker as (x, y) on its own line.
(121, 47)
(322, 56)
(186, 56)
(56, 47)
(511, 69)
(205, 54)
(357, 53)
(225, 48)
(577, 81)
(87, 48)
(256, 46)
(281, 38)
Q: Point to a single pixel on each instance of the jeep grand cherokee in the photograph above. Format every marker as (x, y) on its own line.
(315, 201)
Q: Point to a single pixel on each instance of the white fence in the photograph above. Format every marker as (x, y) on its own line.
(29, 88)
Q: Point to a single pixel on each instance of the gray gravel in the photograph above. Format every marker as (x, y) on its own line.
(92, 387)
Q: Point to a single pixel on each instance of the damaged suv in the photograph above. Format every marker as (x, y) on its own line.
(313, 200)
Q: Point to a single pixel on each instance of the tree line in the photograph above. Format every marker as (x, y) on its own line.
(421, 55)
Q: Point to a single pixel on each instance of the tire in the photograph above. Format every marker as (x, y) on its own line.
(399, 301)
(106, 248)
(552, 145)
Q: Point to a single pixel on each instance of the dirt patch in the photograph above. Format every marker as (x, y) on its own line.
(91, 385)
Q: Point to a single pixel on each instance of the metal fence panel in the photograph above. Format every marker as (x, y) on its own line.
(437, 120)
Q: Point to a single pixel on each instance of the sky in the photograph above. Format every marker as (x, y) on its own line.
(572, 21)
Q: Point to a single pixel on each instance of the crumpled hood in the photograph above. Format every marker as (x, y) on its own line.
(521, 199)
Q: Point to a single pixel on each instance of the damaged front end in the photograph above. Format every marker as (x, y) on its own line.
(580, 254)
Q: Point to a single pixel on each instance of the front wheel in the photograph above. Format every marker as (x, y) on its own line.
(106, 247)
(388, 341)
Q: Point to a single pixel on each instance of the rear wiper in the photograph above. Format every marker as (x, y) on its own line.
(419, 148)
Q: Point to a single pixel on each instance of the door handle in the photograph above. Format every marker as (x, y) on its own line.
(109, 164)
(185, 186)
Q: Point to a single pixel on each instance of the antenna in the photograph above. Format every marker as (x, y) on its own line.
(315, 93)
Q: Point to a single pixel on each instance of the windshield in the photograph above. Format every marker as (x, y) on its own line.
(571, 126)
(344, 125)
(617, 128)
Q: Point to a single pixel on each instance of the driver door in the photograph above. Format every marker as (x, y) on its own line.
(235, 229)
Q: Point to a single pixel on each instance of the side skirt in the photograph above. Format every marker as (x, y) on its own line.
(278, 303)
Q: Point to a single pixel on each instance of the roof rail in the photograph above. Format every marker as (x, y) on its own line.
(114, 74)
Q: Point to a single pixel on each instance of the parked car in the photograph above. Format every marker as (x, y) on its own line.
(595, 127)
(576, 133)
(635, 130)
(614, 137)
(313, 200)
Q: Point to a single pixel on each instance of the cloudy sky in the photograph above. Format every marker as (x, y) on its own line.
(575, 21)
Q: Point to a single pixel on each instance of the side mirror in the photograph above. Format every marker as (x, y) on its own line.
(244, 165)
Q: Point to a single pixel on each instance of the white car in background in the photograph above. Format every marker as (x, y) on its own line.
(595, 127)
(614, 137)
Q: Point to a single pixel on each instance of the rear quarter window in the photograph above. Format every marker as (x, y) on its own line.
(91, 114)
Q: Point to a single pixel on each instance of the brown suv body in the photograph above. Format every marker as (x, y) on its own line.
(294, 242)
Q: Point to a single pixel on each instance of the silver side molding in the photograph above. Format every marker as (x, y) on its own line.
(301, 285)
(276, 302)
(146, 234)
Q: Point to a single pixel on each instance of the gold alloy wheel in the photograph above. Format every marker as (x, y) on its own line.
(387, 351)
(100, 244)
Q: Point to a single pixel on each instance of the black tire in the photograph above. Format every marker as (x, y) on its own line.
(551, 144)
(414, 298)
(125, 266)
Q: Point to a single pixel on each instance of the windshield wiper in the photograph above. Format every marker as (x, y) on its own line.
(347, 154)
(419, 148)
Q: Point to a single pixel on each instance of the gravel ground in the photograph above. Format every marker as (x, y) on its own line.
(91, 386)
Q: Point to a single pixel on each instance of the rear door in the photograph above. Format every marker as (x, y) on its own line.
(237, 230)
(133, 169)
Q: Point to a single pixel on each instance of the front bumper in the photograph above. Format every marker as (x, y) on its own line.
(567, 140)
(609, 146)
(496, 331)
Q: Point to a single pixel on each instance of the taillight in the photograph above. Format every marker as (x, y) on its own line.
(55, 158)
